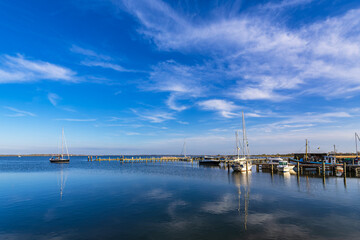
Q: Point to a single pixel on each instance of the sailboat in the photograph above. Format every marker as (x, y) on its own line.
(357, 159)
(60, 158)
(242, 164)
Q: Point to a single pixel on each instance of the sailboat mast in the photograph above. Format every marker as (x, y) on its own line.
(67, 150)
(306, 150)
(184, 150)
(356, 140)
(62, 143)
(244, 133)
(237, 144)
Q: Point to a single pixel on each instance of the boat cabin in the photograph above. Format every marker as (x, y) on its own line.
(274, 159)
(283, 163)
(330, 159)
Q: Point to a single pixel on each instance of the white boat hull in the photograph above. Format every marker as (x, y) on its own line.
(285, 168)
(241, 167)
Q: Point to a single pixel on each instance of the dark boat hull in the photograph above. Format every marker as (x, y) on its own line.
(209, 162)
(59, 160)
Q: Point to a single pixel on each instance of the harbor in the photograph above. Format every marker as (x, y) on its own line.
(263, 163)
(173, 199)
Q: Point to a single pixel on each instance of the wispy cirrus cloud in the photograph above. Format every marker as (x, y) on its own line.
(173, 77)
(77, 119)
(17, 69)
(94, 59)
(154, 116)
(306, 120)
(171, 103)
(19, 113)
(54, 98)
(223, 107)
(112, 66)
(268, 60)
(89, 53)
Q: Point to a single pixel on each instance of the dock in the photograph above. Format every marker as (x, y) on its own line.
(138, 159)
(260, 163)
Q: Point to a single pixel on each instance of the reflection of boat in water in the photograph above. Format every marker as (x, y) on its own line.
(210, 166)
(284, 166)
(62, 181)
(244, 180)
(209, 161)
(60, 158)
(286, 176)
(242, 164)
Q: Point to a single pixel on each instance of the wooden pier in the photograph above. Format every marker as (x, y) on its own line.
(321, 169)
(301, 168)
(138, 159)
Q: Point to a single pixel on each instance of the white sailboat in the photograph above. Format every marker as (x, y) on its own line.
(242, 164)
(60, 158)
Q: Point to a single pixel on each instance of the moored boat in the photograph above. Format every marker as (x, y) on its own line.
(284, 166)
(60, 158)
(242, 164)
(209, 161)
(274, 159)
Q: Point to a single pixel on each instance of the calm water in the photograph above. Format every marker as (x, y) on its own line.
(111, 200)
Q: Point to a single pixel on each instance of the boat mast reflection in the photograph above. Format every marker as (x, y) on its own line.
(244, 180)
(62, 180)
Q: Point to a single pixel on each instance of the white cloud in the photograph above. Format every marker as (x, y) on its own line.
(19, 113)
(112, 66)
(54, 98)
(225, 108)
(132, 133)
(285, 4)
(88, 52)
(269, 60)
(77, 119)
(18, 69)
(172, 105)
(172, 77)
(154, 116)
(305, 120)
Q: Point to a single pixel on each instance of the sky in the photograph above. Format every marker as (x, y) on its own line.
(143, 77)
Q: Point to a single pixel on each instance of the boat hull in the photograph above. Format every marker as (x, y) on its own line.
(209, 162)
(241, 168)
(285, 169)
(59, 160)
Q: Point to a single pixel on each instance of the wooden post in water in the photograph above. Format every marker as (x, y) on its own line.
(298, 168)
(344, 169)
(272, 167)
(323, 167)
(257, 167)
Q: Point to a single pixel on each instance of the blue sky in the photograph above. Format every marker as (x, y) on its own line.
(140, 77)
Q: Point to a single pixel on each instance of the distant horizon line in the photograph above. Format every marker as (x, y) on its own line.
(84, 155)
